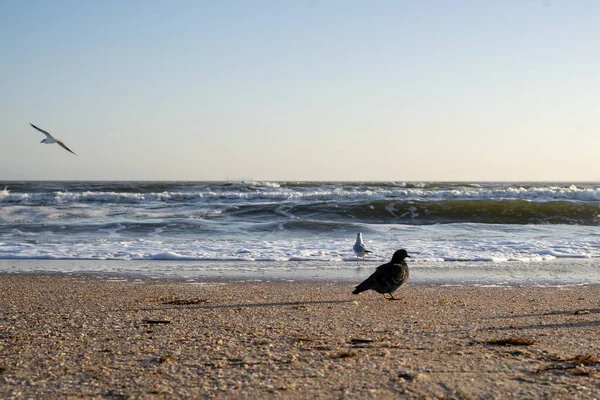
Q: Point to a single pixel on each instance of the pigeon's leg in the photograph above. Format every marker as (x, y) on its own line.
(392, 297)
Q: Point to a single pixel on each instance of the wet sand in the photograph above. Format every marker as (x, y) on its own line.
(77, 336)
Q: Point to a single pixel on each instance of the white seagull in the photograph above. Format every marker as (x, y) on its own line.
(359, 248)
(50, 139)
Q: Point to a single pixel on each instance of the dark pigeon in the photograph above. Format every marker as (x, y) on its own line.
(388, 277)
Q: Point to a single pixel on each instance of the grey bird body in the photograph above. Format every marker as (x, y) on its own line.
(359, 248)
(388, 277)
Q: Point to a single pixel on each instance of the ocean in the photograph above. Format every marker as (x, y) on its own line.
(485, 233)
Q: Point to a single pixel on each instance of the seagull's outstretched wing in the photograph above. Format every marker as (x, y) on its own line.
(45, 133)
(61, 144)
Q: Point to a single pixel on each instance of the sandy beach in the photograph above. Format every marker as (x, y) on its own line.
(77, 336)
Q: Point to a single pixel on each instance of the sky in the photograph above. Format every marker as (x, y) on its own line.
(301, 90)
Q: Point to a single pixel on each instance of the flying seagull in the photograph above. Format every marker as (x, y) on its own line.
(50, 139)
(388, 277)
(359, 248)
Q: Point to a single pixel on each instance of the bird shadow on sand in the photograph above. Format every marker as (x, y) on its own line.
(239, 305)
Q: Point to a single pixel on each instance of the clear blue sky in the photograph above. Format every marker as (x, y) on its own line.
(301, 90)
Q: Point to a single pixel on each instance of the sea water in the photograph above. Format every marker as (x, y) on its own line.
(456, 232)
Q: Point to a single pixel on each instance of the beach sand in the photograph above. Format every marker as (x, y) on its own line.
(81, 336)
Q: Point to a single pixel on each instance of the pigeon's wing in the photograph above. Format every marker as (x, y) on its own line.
(391, 274)
(367, 284)
(44, 132)
(61, 144)
(385, 267)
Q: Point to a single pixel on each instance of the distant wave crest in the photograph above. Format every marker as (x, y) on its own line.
(274, 192)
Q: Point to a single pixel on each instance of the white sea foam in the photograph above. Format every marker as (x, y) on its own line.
(451, 243)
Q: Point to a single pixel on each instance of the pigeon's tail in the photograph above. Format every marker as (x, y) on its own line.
(368, 251)
(366, 285)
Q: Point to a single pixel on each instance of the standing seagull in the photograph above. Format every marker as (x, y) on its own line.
(359, 248)
(50, 139)
(388, 277)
